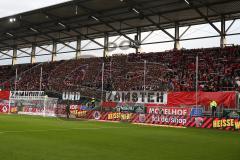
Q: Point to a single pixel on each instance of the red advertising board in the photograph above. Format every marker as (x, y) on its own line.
(169, 120)
(4, 108)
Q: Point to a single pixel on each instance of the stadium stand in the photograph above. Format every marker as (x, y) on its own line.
(219, 70)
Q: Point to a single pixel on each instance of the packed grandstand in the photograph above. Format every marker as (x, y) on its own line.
(191, 85)
(120, 80)
(219, 70)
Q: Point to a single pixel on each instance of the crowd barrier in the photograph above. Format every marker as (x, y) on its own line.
(230, 124)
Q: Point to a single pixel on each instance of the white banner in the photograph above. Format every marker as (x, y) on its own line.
(137, 97)
(73, 96)
(26, 94)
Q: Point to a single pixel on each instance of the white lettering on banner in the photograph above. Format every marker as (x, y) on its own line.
(169, 111)
(137, 97)
(22, 94)
(73, 96)
(154, 110)
(164, 119)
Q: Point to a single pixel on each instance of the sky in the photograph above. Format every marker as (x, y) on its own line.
(11, 7)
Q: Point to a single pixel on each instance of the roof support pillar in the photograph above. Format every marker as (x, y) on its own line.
(14, 58)
(106, 44)
(33, 54)
(177, 37)
(138, 40)
(54, 51)
(78, 51)
(223, 33)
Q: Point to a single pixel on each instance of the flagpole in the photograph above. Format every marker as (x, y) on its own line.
(102, 82)
(144, 78)
(40, 83)
(197, 81)
(16, 77)
(111, 69)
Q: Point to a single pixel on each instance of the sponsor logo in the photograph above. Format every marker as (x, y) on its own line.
(121, 116)
(199, 121)
(142, 118)
(125, 108)
(4, 109)
(114, 116)
(97, 115)
(237, 124)
(197, 112)
(82, 114)
(164, 119)
(139, 109)
(126, 116)
(168, 111)
(233, 114)
(220, 123)
(14, 109)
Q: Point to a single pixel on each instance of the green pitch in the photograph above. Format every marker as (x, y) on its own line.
(38, 138)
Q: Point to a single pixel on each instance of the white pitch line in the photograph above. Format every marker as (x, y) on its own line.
(47, 130)
(158, 125)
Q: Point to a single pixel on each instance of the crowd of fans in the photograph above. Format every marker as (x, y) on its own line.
(218, 70)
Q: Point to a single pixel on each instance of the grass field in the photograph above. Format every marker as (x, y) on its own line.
(38, 138)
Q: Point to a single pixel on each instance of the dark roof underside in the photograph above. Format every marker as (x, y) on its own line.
(114, 17)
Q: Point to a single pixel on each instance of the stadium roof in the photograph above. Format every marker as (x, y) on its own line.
(92, 19)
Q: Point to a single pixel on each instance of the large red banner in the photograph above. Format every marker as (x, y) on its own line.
(227, 99)
(4, 95)
(176, 99)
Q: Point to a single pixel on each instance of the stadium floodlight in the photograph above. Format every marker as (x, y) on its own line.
(135, 10)
(11, 35)
(187, 2)
(61, 24)
(34, 30)
(11, 20)
(76, 10)
(95, 18)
